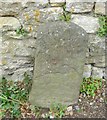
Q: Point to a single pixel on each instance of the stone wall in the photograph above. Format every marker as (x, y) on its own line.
(18, 49)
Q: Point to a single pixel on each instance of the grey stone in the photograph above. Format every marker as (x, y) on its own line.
(88, 23)
(105, 73)
(59, 63)
(9, 21)
(18, 48)
(101, 65)
(10, 8)
(57, 1)
(95, 39)
(100, 8)
(97, 72)
(36, 3)
(51, 14)
(79, 7)
(19, 74)
(13, 63)
(97, 49)
(87, 71)
(95, 59)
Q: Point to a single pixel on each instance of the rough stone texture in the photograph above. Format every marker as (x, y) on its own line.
(51, 14)
(105, 73)
(100, 8)
(10, 8)
(19, 74)
(9, 21)
(42, 1)
(59, 63)
(57, 1)
(87, 71)
(32, 13)
(95, 59)
(79, 7)
(89, 24)
(97, 72)
(17, 53)
(97, 49)
(95, 39)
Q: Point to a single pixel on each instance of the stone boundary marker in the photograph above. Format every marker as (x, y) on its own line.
(59, 64)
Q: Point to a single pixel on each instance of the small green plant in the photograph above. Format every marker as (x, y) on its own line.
(37, 111)
(66, 16)
(90, 86)
(12, 96)
(103, 26)
(21, 31)
(58, 110)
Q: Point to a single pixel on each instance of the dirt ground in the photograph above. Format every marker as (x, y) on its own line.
(87, 107)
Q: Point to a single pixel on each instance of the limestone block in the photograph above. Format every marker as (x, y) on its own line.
(87, 71)
(100, 8)
(95, 39)
(79, 7)
(9, 21)
(10, 8)
(105, 73)
(14, 63)
(95, 59)
(88, 23)
(19, 74)
(97, 49)
(97, 72)
(51, 14)
(57, 1)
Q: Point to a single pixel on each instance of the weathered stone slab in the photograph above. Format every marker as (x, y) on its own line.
(59, 64)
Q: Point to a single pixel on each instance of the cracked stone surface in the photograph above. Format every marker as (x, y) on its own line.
(59, 64)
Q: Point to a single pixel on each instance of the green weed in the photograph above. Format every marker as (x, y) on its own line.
(90, 86)
(66, 16)
(12, 96)
(58, 110)
(21, 31)
(103, 26)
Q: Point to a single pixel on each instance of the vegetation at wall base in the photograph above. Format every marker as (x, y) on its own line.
(14, 98)
(58, 110)
(90, 86)
(13, 95)
(102, 31)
